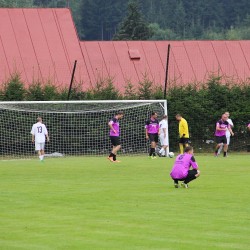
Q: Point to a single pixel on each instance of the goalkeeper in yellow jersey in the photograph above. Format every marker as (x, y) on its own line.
(183, 132)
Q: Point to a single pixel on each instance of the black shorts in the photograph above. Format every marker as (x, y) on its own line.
(190, 176)
(184, 140)
(153, 137)
(115, 140)
(221, 139)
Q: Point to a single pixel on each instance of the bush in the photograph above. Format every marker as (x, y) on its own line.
(104, 89)
(35, 92)
(14, 89)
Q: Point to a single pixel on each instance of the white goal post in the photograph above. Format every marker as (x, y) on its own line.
(75, 127)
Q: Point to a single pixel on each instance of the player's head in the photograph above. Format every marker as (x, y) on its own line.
(165, 117)
(154, 115)
(39, 119)
(119, 114)
(224, 117)
(178, 117)
(227, 114)
(189, 150)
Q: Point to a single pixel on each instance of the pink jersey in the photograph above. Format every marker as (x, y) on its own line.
(222, 125)
(115, 123)
(152, 126)
(182, 165)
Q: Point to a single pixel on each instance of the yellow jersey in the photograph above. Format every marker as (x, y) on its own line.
(183, 128)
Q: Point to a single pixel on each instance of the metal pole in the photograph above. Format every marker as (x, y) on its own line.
(166, 76)
(72, 79)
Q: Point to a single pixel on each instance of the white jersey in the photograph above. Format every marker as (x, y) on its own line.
(163, 124)
(39, 130)
(231, 124)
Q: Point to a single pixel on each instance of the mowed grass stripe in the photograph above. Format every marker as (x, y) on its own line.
(90, 203)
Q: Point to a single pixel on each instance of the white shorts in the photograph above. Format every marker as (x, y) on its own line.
(164, 141)
(39, 146)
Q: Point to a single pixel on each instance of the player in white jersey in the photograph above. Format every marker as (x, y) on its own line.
(228, 134)
(39, 132)
(163, 135)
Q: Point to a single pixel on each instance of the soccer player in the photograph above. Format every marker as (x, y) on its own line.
(152, 132)
(39, 132)
(181, 169)
(183, 132)
(220, 134)
(163, 136)
(114, 135)
(228, 134)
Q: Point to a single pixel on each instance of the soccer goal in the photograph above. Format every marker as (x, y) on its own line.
(76, 128)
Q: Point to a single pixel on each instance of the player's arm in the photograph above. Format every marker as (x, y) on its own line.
(165, 132)
(146, 129)
(33, 134)
(111, 126)
(193, 163)
(230, 130)
(47, 137)
(219, 128)
(146, 132)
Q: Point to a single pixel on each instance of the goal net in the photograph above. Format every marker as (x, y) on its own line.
(75, 127)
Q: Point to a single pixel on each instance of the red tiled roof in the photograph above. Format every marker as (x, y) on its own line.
(43, 44)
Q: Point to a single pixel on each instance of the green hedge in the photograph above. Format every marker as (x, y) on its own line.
(201, 105)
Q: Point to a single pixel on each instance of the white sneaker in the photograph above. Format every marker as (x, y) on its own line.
(184, 185)
(176, 185)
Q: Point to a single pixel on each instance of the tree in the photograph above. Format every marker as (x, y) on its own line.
(133, 27)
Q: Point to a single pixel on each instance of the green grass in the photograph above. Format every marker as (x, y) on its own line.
(90, 203)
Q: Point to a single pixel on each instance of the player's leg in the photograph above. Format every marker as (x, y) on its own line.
(38, 149)
(42, 152)
(176, 183)
(225, 149)
(181, 146)
(152, 149)
(192, 175)
(115, 140)
(220, 148)
(228, 142)
(114, 151)
(161, 152)
(219, 142)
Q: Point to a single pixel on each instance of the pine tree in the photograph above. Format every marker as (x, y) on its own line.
(133, 27)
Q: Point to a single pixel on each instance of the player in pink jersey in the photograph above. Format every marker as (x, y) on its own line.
(181, 169)
(114, 135)
(220, 134)
(152, 131)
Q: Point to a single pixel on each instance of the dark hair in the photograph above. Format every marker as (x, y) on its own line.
(179, 115)
(120, 113)
(153, 113)
(164, 117)
(187, 149)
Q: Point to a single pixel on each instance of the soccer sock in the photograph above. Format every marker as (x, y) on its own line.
(153, 152)
(150, 151)
(220, 148)
(111, 155)
(40, 157)
(114, 157)
(181, 148)
(225, 154)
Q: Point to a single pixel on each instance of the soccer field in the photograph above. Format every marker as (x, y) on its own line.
(90, 203)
